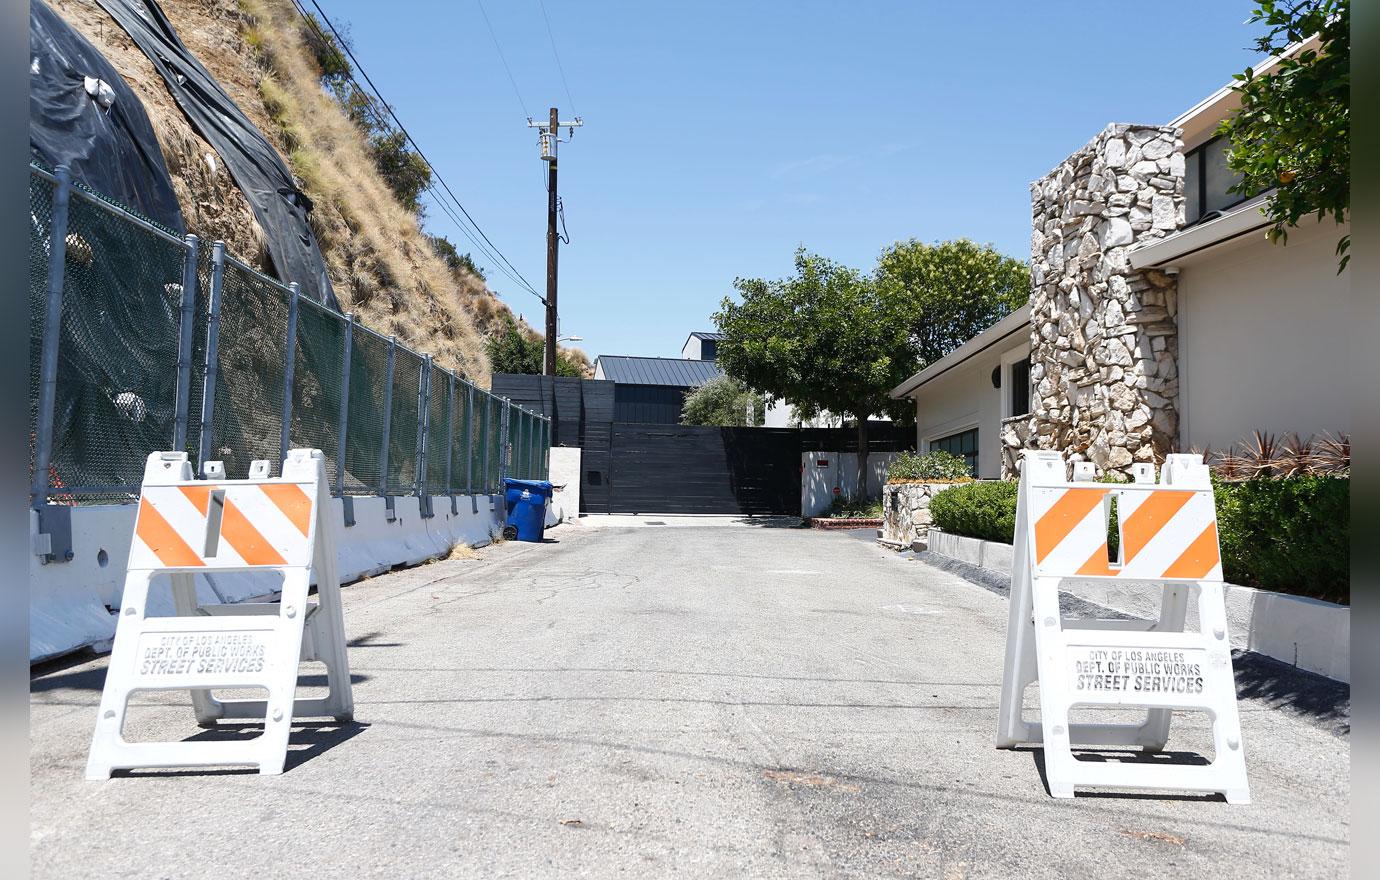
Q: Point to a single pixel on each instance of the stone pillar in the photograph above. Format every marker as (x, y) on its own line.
(1104, 342)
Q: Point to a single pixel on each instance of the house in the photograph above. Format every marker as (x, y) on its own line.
(652, 389)
(1160, 318)
(701, 346)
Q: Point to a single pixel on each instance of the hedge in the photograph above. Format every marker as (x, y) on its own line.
(1290, 534)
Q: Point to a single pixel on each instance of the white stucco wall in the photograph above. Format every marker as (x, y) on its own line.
(964, 398)
(1262, 339)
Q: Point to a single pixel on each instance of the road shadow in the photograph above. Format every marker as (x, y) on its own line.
(771, 522)
(308, 740)
(1128, 756)
(1307, 695)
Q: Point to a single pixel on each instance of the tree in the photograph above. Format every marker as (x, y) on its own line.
(723, 401)
(823, 339)
(1292, 133)
(517, 350)
(455, 261)
(405, 172)
(950, 291)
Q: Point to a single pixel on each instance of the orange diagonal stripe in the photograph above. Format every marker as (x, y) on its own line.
(1097, 564)
(1145, 522)
(292, 501)
(248, 541)
(1061, 518)
(162, 540)
(199, 496)
(1200, 557)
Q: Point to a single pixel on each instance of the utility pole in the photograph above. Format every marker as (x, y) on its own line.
(549, 137)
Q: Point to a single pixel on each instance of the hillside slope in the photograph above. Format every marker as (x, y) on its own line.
(381, 264)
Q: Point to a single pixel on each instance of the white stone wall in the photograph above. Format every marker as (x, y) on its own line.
(1104, 343)
(906, 511)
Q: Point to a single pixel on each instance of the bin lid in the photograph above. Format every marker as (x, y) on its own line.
(541, 486)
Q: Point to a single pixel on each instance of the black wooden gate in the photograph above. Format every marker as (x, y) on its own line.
(692, 469)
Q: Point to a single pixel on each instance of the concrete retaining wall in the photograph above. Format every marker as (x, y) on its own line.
(70, 602)
(824, 472)
(1307, 633)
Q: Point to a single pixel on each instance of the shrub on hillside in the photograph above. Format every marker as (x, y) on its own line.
(984, 510)
(1290, 534)
(936, 466)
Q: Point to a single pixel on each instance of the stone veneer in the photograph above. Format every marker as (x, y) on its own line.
(1104, 342)
(906, 511)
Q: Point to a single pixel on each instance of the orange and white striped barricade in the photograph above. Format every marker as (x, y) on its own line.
(1168, 535)
(187, 526)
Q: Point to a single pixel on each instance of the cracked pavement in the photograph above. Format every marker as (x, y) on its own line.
(726, 701)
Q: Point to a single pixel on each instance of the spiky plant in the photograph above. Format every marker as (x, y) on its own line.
(1295, 457)
(1230, 466)
(1259, 454)
(1332, 454)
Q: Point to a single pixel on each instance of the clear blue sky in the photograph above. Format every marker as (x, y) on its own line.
(719, 136)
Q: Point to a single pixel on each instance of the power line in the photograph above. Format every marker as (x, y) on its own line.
(492, 252)
(550, 36)
(483, 12)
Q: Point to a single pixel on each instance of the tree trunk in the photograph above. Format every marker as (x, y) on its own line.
(862, 458)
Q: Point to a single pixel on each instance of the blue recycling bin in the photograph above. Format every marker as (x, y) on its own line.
(526, 505)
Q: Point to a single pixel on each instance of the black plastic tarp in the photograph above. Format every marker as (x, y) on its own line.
(84, 116)
(280, 207)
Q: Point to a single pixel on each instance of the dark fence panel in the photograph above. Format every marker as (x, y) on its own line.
(683, 469)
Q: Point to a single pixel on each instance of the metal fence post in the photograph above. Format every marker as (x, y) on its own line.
(484, 429)
(343, 424)
(387, 415)
(289, 367)
(450, 433)
(469, 439)
(184, 343)
(52, 329)
(505, 447)
(421, 488)
(208, 387)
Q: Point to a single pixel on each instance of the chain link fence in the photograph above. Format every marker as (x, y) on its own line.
(143, 341)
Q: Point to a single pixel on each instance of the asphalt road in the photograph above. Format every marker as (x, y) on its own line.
(722, 701)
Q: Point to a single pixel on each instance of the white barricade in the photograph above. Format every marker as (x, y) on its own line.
(1168, 534)
(186, 526)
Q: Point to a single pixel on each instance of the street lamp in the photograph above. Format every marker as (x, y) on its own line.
(570, 339)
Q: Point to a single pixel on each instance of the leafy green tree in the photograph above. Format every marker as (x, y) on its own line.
(455, 261)
(405, 172)
(950, 292)
(825, 338)
(723, 401)
(1292, 133)
(515, 350)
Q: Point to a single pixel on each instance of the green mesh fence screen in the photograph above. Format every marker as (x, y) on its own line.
(40, 218)
(438, 431)
(459, 446)
(118, 373)
(316, 382)
(403, 433)
(364, 431)
(117, 351)
(247, 420)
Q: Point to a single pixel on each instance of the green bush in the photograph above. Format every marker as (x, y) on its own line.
(1290, 534)
(854, 508)
(936, 466)
(984, 510)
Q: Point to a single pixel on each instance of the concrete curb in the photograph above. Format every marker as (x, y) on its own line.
(1307, 633)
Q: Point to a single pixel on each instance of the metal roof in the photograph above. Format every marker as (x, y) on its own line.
(676, 372)
(701, 334)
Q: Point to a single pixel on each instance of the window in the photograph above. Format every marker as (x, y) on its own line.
(1020, 387)
(963, 443)
(1206, 179)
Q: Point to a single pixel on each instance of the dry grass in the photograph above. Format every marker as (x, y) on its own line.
(461, 551)
(382, 265)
